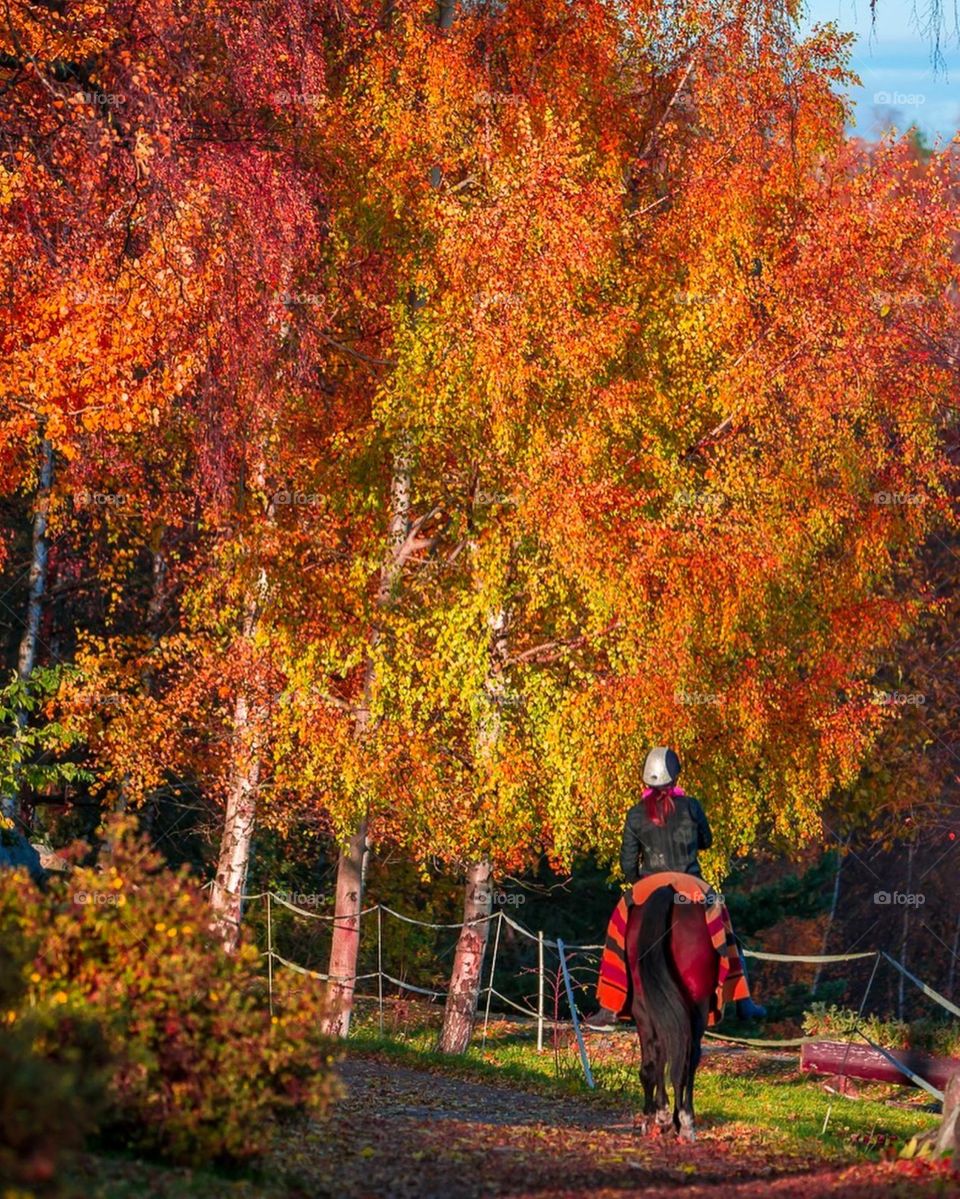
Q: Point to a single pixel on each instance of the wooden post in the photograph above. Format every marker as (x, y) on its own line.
(493, 967)
(380, 963)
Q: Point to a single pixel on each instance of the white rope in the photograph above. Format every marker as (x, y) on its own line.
(426, 924)
(806, 957)
(757, 954)
(317, 915)
(935, 995)
(915, 1078)
(410, 987)
(520, 1008)
(546, 940)
(327, 978)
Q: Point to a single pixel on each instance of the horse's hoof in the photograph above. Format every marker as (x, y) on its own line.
(687, 1134)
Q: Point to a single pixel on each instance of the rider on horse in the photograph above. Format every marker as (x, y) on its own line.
(665, 832)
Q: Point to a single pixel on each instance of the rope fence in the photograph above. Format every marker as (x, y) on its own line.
(563, 951)
(538, 1013)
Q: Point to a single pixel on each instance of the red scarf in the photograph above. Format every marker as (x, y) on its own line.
(659, 802)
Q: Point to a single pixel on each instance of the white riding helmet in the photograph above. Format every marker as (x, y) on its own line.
(661, 768)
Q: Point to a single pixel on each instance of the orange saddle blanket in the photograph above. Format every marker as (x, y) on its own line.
(613, 989)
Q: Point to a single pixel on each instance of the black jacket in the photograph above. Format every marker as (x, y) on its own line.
(648, 848)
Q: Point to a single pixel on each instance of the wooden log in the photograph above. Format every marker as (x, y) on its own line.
(860, 1061)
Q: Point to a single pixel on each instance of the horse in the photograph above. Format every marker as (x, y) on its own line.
(673, 969)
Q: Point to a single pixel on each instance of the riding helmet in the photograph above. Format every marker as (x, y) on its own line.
(661, 768)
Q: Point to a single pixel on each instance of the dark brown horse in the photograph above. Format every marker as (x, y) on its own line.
(673, 970)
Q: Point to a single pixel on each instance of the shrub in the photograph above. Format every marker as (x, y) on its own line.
(198, 1071)
(834, 1023)
(53, 1074)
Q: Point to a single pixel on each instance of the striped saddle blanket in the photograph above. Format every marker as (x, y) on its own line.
(613, 989)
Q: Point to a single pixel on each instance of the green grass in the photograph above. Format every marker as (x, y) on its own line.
(783, 1108)
(763, 1101)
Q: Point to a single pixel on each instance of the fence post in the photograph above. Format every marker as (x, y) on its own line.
(380, 963)
(540, 991)
(270, 954)
(493, 966)
(573, 1015)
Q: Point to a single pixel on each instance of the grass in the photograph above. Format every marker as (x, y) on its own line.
(786, 1109)
(764, 1101)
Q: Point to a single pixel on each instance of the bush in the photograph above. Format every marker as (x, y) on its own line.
(198, 1072)
(837, 1024)
(53, 1074)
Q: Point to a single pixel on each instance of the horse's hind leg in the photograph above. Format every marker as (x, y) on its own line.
(682, 1116)
(648, 1077)
(664, 1115)
(648, 1067)
(684, 1094)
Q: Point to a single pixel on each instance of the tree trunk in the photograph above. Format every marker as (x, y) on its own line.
(240, 814)
(342, 966)
(27, 657)
(830, 919)
(37, 589)
(351, 865)
(948, 1136)
(944, 1140)
(464, 992)
(905, 932)
(952, 972)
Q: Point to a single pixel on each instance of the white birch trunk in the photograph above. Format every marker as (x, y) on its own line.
(463, 994)
(36, 594)
(464, 991)
(27, 657)
(351, 865)
(240, 813)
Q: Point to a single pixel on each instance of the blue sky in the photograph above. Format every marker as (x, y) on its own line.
(894, 61)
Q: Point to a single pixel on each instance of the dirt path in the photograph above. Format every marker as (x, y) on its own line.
(414, 1133)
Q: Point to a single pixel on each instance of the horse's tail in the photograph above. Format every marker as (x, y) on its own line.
(661, 990)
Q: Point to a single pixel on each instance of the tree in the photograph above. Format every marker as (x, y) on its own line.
(704, 472)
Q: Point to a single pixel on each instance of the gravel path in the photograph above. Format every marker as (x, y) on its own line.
(419, 1134)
